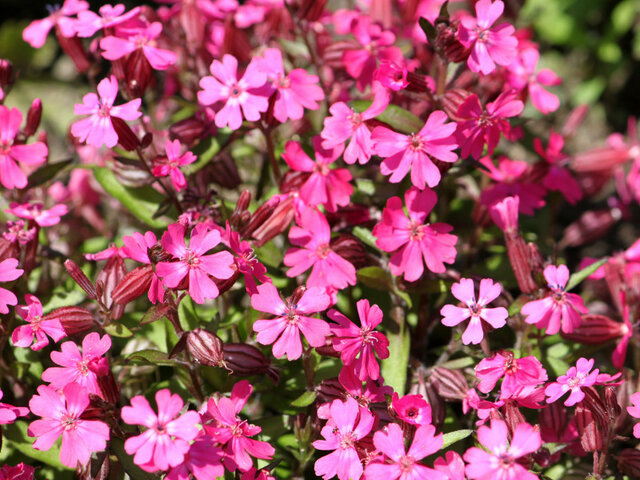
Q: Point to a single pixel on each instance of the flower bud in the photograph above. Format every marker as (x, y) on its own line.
(600, 160)
(224, 172)
(134, 284)
(226, 284)
(80, 278)
(74, 48)
(158, 254)
(269, 226)
(311, 10)
(554, 418)
(188, 131)
(591, 226)
(611, 403)
(6, 75)
(595, 330)
(629, 462)
(106, 381)
(593, 403)
(349, 216)
(137, 73)
(438, 407)
(245, 360)
(452, 100)
(205, 347)
(73, 319)
(450, 384)
(505, 214)
(352, 250)
(126, 138)
(591, 437)
(418, 83)
(330, 390)
(448, 43)
(33, 118)
(518, 254)
(512, 415)
(107, 281)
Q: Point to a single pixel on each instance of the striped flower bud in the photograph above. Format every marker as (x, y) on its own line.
(245, 360)
(133, 285)
(205, 347)
(73, 319)
(596, 330)
(80, 278)
(450, 384)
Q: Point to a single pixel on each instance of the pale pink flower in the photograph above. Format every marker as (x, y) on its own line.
(203, 461)
(234, 433)
(139, 38)
(89, 22)
(413, 152)
(36, 327)
(576, 377)
(558, 177)
(634, 411)
(8, 413)
(241, 98)
(451, 465)
(97, 129)
(11, 176)
(475, 310)
(348, 424)
(499, 460)
(358, 346)
(246, 262)
(168, 435)
(61, 414)
(313, 236)
(292, 320)
(560, 309)
(37, 213)
(518, 373)
(482, 127)
(192, 261)
(75, 366)
(404, 464)
(412, 409)
(345, 124)
(489, 45)
(170, 165)
(60, 17)
(136, 247)
(325, 186)
(414, 241)
(522, 74)
(295, 90)
(8, 273)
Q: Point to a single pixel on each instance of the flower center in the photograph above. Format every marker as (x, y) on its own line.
(191, 259)
(235, 91)
(416, 230)
(83, 367)
(68, 422)
(355, 118)
(475, 309)
(292, 316)
(573, 382)
(283, 82)
(104, 109)
(160, 429)
(347, 440)
(323, 250)
(406, 463)
(416, 143)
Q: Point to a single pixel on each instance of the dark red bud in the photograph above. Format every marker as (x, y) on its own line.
(417, 83)
(80, 278)
(225, 285)
(158, 254)
(512, 415)
(596, 330)
(73, 319)
(629, 462)
(591, 226)
(147, 139)
(33, 118)
(268, 226)
(205, 347)
(188, 131)
(448, 43)
(554, 417)
(74, 48)
(591, 437)
(138, 74)
(311, 10)
(450, 384)
(108, 279)
(611, 403)
(593, 402)
(134, 284)
(352, 250)
(224, 172)
(519, 258)
(126, 138)
(6, 75)
(245, 360)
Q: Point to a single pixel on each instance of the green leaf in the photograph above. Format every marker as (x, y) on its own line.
(394, 368)
(375, 277)
(205, 150)
(187, 314)
(365, 236)
(578, 277)
(46, 173)
(270, 254)
(306, 399)
(453, 437)
(118, 330)
(16, 434)
(150, 357)
(396, 117)
(141, 202)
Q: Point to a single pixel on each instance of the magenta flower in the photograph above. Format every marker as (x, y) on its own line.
(634, 411)
(143, 38)
(192, 261)
(11, 176)
(8, 273)
(313, 236)
(452, 466)
(559, 310)
(404, 464)
(74, 366)
(326, 186)
(482, 127)
(36, 328)
(348, 424)
(61, 414)
(97, 129)
(36, 33)
(292, 320)
(413, 152)
(136, 247)
(558, 178)
(170, 165)
(522, 74)
(358, 346)
(518, 373)
(576, 377)
(8, 413)
(295, 90)
(37, 213)
(246, 262)
(168, 435)
(411, 409)
(203, 461)
(232, 432)
(499, 460)
(475, 311)
(242, 97)
(345, 124)
(488, 45)
(89, 23)
(414, 241)
(392, 76)
(20, 471)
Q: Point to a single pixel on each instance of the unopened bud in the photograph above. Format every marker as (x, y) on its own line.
(518, 254)
(293, 180)
(158, 254)
(245, 360)
(6, 75)
(351, 249)
(126, 138)
(611, 403)
(106, 381)
(133, 285)
(554, 417)
(311, 10)
(451, 101)
(188, 131)
(593, 402)
(226, 284)
(74, 48)
(224, 172)
(591, 226)
(147, 139)
(591, 437)
(448, 43)
(107, 281)
(205, 347)
(450, 384)
(417, 83)
(512, 415)
(595, 330)
(270, 221)
(138, 73)
(505, 214)
(80, 278)
(33, 118)
(629, 462)
(73, 319)
(599, 160)
(438, 407)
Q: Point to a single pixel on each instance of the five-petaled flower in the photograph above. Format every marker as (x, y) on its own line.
(576, 377)
(36, 327)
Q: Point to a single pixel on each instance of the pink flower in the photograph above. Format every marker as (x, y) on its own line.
(328, 268)
(11, 176)
(498, 461)
(558, 177)
(292, 320)
(136, 247)
(20, 471)
(74, 366)
(203, 461)
(36, 33)
(476, 311)
(559, 309)
(295, 91)
(518, 373)
(241, 97)
(414, 241)
(325, 185)
(167, 439)
(61, 416)
(359, 345)
(23, 335)
(488, 45)
(170, 165)
(246, 262)
(348, 424)
(391, 75)
(97, 129)
(576, 377)
(522, 74)
(36, 212)
(8, 273)
(412, 409)
(140, 38)
(413, 152)
(452, 466)
(345, 124)
(192, 261)
(89, 22)
(232, 432)
(8, 413)
(634, 411)
(483, 127)
(404, 464)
